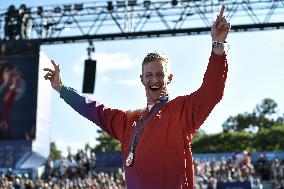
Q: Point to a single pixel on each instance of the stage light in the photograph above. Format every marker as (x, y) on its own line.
(11, 22)
(174, 2)
(11, 9)
(67, 8)
(109, 6)
(28, 10)
(78, 7)
(147, 4)
(57, 10)
(120, 3)
(132, 2)
(40, 11)
(22, 9)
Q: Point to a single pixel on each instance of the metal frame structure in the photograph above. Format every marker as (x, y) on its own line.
(132, 19)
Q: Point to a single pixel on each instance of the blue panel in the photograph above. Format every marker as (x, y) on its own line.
(18, 113)
(234, 185)
(108, 159)
(12, 151)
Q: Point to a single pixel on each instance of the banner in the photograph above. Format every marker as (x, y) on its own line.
(234, 185)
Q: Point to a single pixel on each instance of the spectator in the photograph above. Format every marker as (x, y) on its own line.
(208, 172)
(263, 167)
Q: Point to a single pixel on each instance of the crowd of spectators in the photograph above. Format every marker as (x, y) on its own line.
(73, 172)
(239, 168)
(79, 171)
(100, 181)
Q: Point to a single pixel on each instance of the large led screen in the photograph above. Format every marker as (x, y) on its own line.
(18, 90)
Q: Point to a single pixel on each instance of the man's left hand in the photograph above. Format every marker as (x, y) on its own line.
(220, 28)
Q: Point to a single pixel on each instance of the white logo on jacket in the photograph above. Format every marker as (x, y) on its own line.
(159, 114)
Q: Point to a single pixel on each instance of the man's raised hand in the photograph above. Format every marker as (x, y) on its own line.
(54, 76)
(220, 28)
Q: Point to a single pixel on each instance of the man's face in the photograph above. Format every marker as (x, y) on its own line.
(155, 80)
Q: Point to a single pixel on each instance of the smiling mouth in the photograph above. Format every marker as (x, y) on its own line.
(154, 88)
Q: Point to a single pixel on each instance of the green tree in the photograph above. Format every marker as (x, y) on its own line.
(262, 117)
(106, 143)
(239, 122)
(265, 140)
(267, 107)
(223, 142)
(54, 152)
(270, 139)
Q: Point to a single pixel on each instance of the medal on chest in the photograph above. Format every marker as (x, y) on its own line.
(129, 159)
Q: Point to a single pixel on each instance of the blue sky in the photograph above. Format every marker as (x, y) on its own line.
(256, 71)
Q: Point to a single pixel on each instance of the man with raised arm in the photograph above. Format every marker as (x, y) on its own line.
(156, 141)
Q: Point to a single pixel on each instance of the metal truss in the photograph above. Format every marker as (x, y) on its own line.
(117, 20)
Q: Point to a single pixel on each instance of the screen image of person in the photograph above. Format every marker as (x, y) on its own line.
(9, 83)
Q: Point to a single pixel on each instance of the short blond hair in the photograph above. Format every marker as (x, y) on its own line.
(157, 56)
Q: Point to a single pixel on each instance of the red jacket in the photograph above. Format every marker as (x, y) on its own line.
(163, 157)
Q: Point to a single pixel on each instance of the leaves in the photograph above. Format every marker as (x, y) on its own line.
(265, 140)
(260, 118)
(106, 143)
(54, 152)
(260, 130)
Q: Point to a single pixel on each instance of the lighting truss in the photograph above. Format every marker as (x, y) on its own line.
(117, 20)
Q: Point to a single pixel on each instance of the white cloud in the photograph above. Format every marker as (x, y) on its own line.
(107, 62)
(114, 61)
(130, 82)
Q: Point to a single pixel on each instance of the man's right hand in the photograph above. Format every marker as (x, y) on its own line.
(54, 77)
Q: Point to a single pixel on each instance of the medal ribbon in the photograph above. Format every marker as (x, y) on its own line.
(135, 140)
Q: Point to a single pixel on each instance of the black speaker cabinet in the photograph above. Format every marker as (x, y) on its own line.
(89, 76)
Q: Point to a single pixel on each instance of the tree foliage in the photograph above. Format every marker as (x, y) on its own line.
(262, 117)
(106, 143)
(54, 152)
(223, 142)
(270, 139)
(265, 140)
(267, 107)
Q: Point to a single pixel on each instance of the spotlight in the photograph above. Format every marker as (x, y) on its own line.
(22, 9)
(39, 11)
(57, 10)
(67, 8)
(11, 29)
(12, 11)
(120, 3)
(174, 2)
(147, 4)
(78, 7)
(132, 2)
(109, 6)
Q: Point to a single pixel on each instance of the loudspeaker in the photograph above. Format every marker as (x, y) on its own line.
(89, 76)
